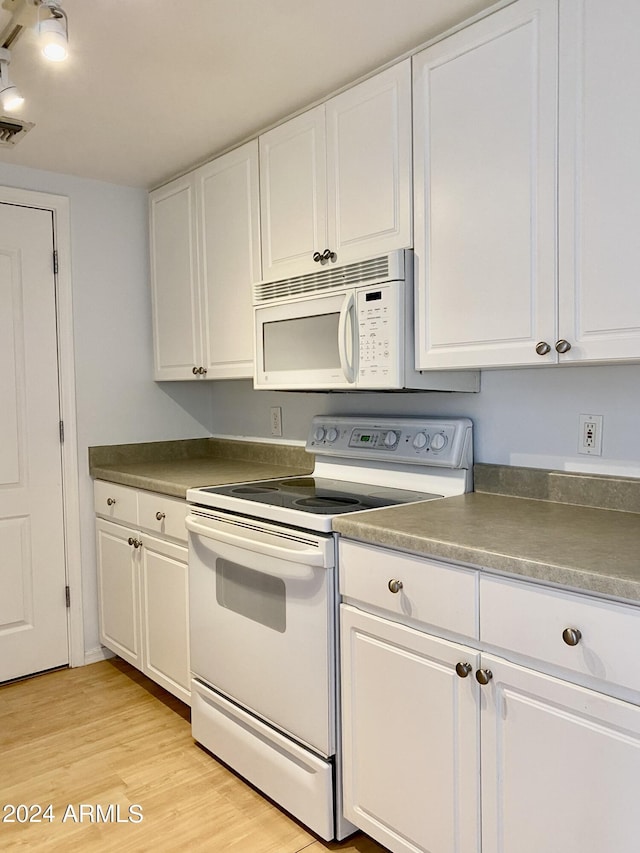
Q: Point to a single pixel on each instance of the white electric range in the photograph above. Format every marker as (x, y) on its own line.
(263, 599)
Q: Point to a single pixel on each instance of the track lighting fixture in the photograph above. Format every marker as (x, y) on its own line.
(10, 97)
(53, 30)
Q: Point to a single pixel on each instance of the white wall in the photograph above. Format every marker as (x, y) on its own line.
(117, 400)
(521, 417)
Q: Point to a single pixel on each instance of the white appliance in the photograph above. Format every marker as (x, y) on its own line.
(344, 328)
(264, 602)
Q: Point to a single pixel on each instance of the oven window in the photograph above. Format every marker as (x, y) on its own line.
(256, 595)
(304, 343)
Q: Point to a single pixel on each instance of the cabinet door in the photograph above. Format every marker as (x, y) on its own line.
(485, 154)
(293, 190)
(599, 179)
(369, 166)
(560, 765)
(174, 280)
(229, 222)
(118, 592)
(165, 634)
(410, 737)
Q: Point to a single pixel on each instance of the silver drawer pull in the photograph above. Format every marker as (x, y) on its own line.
(159, 516)
(395, 586)
(111, 501)
(463, 669)
(572, 636)
(484, 676)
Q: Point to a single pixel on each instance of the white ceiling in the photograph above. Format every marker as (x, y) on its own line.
(153, 87)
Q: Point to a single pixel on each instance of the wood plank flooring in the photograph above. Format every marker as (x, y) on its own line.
(104, 735)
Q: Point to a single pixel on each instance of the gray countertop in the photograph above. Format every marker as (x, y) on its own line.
(172, 467)
(586, 548)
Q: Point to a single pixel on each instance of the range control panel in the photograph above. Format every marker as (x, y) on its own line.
(445, 442)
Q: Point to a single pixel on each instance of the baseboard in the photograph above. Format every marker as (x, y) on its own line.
(97, 654)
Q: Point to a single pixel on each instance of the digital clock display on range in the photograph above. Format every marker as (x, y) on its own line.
(365, 438)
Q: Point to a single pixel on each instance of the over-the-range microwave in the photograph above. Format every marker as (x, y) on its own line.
(344, 328)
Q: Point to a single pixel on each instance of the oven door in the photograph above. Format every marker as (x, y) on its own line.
(309, 343)
(262, 621)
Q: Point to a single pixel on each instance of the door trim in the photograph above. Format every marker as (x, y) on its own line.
(59, 207)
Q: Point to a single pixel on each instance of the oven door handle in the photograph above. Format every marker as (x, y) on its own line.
(293, 552)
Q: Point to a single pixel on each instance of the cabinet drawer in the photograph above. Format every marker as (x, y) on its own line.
(162, 515)
(432, 593)
(530, 621)
(117, 503)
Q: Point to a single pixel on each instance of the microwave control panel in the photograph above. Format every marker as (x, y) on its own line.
(380, 339)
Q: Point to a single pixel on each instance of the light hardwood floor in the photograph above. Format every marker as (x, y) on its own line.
(105, 734)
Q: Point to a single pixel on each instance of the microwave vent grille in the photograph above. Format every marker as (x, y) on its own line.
(362, 272)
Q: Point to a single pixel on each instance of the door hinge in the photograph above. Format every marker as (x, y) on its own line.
(67, 596)
(61, 432)
(55, 262)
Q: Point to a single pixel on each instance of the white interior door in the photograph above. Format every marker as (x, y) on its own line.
(33, 614)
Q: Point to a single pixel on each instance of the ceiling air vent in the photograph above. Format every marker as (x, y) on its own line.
(12, 130)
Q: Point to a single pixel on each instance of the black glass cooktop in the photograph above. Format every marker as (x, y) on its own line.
(319, 495)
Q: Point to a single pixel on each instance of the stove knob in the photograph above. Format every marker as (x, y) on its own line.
(439, 441)
(391, 439)
(332, 434)
(318, 434)
(421, 440)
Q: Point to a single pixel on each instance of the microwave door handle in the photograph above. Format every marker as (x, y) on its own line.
(346, 333)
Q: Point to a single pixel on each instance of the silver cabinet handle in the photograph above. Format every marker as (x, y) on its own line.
(484, 676)
(327, 255)
(572, 636)
(202, 371)
(159, 516)
(543, 348)
(395, 586)
(111, 501)
(135, 542)
(131, 540)
(463, 669)
(194, 370)
(562, 346)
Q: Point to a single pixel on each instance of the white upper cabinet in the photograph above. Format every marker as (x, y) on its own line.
(337, 179)
(369, 186)
(599, 219)
(293, 194)
(485, 130)
(174, 280)
(229, 222)
(205, 255)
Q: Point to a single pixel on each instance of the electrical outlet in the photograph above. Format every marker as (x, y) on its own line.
(276, 420)
(590, 435)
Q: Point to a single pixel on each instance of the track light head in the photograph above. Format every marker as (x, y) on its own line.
(10, 97)
(53, 31)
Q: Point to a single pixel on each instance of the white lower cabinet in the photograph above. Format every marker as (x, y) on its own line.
(143, 583)
(164, 597)
(560, 765)
(524, 740)
(118, 593)
(410, 737)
